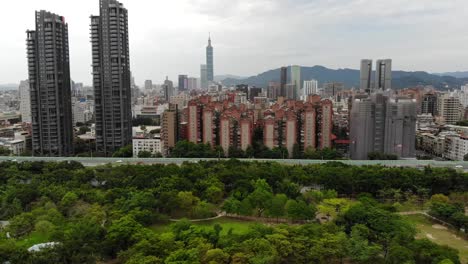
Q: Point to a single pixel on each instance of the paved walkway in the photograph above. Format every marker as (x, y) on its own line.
(221, 214)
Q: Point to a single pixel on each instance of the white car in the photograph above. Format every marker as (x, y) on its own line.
(459, 167)
(119, 161)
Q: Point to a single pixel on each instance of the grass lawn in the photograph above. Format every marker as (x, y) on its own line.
(32, 239)
(440, 236)
(238, 227)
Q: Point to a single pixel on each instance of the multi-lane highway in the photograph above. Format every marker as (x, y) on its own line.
(103, 161)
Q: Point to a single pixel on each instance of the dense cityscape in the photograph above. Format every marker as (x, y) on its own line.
(289, 117)
(222, 191)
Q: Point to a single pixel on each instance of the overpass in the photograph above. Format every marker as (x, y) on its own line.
(90, 162)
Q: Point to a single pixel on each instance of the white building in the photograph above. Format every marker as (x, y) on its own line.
(456, 147)
(25, 101)
(151, 145)
(310, 88)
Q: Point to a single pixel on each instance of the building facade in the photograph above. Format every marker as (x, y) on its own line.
(111, 77)
(25, 101)
(50, 86)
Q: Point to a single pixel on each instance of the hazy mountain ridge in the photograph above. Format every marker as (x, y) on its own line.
(457, 74)
(350, 77)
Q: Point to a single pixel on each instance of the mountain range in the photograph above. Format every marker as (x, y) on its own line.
(457, 74)
(351, 78)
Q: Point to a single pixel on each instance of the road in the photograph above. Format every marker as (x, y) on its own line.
(90, 162)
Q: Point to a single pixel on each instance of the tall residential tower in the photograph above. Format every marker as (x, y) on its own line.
(111, 77)
(50, 87)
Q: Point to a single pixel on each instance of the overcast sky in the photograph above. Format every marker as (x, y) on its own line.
(252, 36)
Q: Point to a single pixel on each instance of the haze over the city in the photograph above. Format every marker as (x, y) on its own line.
(169, 37)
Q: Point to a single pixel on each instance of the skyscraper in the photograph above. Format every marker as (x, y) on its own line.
(168, 88)
(296, 80)
(283, 80)
(203, 77)
(209, 62)
(366, 76)
(383, 74)
(148, 85)
(183, 83)
(50, 87)
(111, 77)
(25, 101)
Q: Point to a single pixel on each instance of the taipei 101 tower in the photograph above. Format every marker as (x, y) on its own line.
(209, 61)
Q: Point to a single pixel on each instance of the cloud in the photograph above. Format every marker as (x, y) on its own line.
(249, 36)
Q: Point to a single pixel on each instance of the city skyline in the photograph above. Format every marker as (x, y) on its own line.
(153, 38)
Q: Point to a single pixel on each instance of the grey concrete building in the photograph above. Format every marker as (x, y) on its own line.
(366, 76)
(50, 86)
(382, 124)
(111, 77)
(429, 104)
(400, 127)
(168, 88)
(209, 62)
(203, 77)
(148, 85)
(362, 128)
(383, 74)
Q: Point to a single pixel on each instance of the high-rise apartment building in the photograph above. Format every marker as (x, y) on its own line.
(382, 124)
(209, 62)
(296, 80)
(383, 74)
(169, 129)
(366, 76)
(400, 127)
(183, 83)
(429, 104)
(192, 83)
(449, 108)
(203, 77)
(50, 86)
(310, 88)
(25, 101)
(111, 77)
(362, 128)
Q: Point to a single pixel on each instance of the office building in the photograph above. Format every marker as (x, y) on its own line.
(25, 101)
(209, 62)
(203, 77)
(111, 77)
(366, 76)
(283, 81)
(148, 85)
(296, 80)
(50, 86)
(383, 75)
(168, 88)
(330, 90)
(183, 83)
